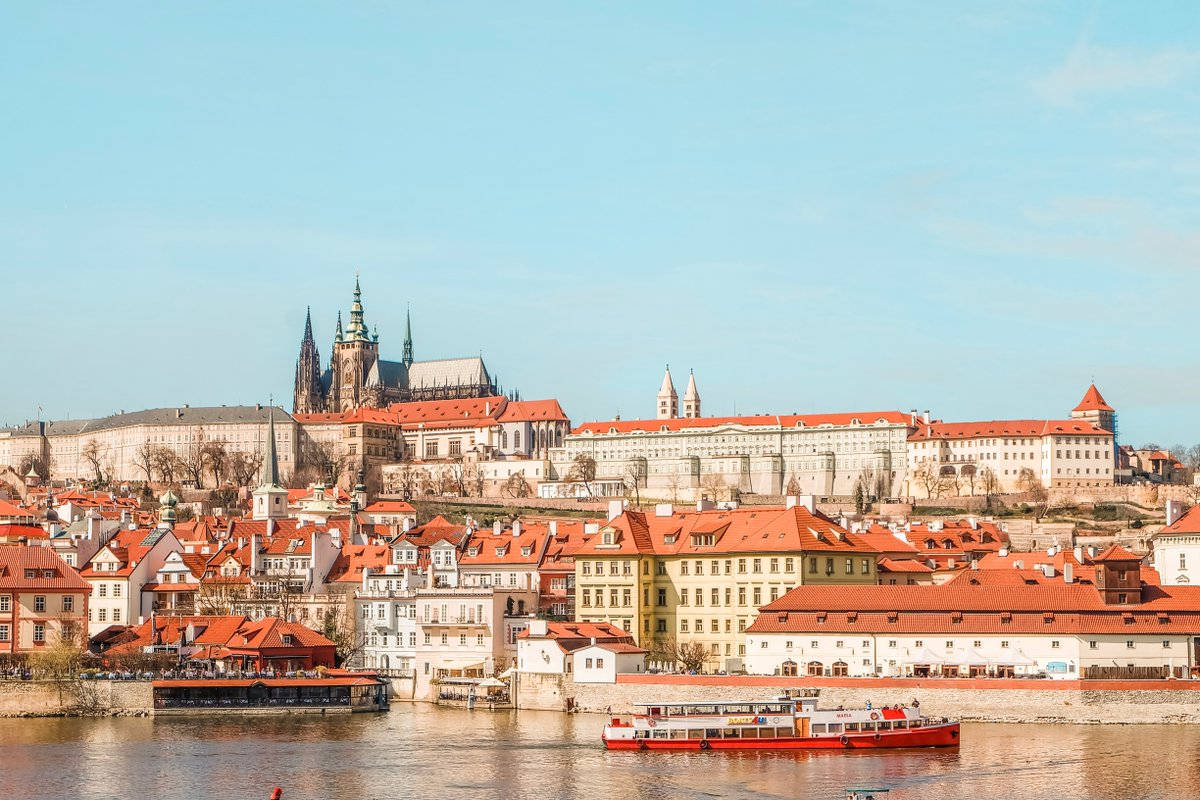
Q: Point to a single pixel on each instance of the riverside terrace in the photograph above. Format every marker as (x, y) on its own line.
(347, 692)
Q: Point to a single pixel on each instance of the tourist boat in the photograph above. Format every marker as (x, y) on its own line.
(789, 722)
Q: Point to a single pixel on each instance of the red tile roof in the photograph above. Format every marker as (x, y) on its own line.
(1116, 553)
(902, 565)
(11, 532)
(354, 558)
(571, 636)
(1006, 427)
(1093, 401)
(10, 511)
(865, 418)
(389, 506)
(467, 413)
(1188, 523)
(15, 559)
(533, 411)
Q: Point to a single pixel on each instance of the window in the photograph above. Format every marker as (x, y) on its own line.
(462, 640)
(102, 590)
(774, 565)
(683, 626)
(699, 567)
(3, 633)
(662, 597)
(849, 566)
(68, 602)
(5, 603)
(741, 566)
(116, 590)
(1054, 644)
(431, 448)
(757, 565)
(627, 598)
(39, 633)
(891, 642)
(1166, 644)
(716, 597)
(866, 566)
(741, 595)
(445, 639)
(659, 625)
(757, 596)
(1129, 644)
(39, 602)
(683, 568)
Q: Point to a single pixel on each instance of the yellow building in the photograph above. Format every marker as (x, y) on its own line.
(701, 576)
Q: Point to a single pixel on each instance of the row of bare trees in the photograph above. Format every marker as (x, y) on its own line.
(196, 461)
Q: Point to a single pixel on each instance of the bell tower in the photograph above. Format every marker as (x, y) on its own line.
(354, 355)
(668, 399)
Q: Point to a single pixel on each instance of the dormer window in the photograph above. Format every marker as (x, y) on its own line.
(606, 537)
(474, 551)
(287, 640)
(703, 539)
(527, 550)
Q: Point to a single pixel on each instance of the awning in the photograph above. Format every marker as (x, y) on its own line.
(508, 673)
(492, 683)
(459, 663)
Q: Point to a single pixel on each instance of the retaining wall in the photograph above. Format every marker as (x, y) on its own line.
(1102, 702)
(49, 699)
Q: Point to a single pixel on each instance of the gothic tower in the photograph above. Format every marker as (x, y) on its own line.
(668, 400)
(354, 355)
(307, 399)
(1095, 410)
(407, 358)
(691, 397)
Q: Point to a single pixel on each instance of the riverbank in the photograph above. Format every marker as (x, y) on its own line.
(970, 700)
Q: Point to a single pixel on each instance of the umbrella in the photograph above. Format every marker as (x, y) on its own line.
(491, 683)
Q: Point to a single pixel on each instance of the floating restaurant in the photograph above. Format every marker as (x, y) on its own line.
(334, 694)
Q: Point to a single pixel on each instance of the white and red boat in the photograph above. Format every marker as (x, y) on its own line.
(789, 722)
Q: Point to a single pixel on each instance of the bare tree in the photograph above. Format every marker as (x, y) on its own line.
(793, 487)
(407, 480)
(989, 483)
(516, 486)
(93, 454)
(690, 655)
(632, 477)
(143, 459)
(338, 626)
(929, 477)
(1039, 498)
(714, 484)
(243, 467)
(218, 595)
(949, 478)
(674, 483)
(968, 472)
(191, 459)
(582, 472)
(323, 457)
(215, 456)
(165, 463)
(456, 472)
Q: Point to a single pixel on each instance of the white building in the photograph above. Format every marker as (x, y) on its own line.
(586, 652)
(1176, 553)
(1061, 628)
(119, 571)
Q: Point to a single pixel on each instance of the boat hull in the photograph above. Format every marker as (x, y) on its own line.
(926, 736)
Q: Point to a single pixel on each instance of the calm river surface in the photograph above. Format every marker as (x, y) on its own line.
(425, 752)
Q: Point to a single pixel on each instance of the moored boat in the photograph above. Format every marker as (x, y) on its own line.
(789, 722)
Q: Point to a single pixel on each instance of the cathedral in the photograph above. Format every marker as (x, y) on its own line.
(357, 376)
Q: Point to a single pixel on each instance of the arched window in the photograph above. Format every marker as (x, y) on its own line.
(516, 440)
(840, 669)
(816, 668)
(790, 669)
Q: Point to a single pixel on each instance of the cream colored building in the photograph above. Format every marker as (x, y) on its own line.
(701, 576)
(118, 439)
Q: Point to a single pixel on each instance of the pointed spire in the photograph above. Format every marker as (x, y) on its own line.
(357, 329)
(691, 397)
(308, 336)
(270, 467)
(691, 392)
(407, 357)
(668, 400)
(668, 387)
(338, 336)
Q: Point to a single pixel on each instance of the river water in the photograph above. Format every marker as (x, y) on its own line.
(421, 751)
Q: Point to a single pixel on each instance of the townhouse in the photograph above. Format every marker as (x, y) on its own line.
(702, 575)
(43, 600)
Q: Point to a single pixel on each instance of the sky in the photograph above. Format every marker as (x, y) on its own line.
(970, 208)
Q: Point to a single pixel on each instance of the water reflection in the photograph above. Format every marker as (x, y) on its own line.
(424, 752)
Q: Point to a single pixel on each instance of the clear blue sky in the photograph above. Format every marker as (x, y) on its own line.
(818, 206)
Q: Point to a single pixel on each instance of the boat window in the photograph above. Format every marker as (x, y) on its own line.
(731, 733)
(678, 733)
(675, 711)
(642, 734)
(851, 726)
(712, 733)
(739, 708)
(766, 733)
(702, 710)
(885, 726)
(773, 708)
(695, 733)
(783, 732)
(835, 727)
(916, 723)
(654, 711)
(660, 734)
(901, 723)
(818, 727)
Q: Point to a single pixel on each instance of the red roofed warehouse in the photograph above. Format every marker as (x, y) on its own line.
(232, 642)
(588, 652)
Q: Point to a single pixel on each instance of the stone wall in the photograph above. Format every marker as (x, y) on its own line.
(49, 699)
(1075, 702)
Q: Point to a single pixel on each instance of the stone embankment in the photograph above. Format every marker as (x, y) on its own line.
(1019, 701)
(75, 698)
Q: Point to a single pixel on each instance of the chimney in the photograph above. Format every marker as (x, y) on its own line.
(1079, 553)
(93, 525)
(615, 509)
(366, 574)
(124, 517)
(806, 500)
(516, 528)
(553, 527)
(1003, 552)
(1048, 570)
(1174, 510)
(407, 524)
(925, 416)
(912, 418)
(270, 527)
(497, 528)
(663, 509)
(705, 505)
(487, 408)
(973, 523)
(538, 627)
(1068, 572)
(253, 553)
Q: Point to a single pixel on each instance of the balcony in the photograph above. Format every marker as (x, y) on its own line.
(469, 622)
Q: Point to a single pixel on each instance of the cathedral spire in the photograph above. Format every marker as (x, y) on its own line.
(668, 400)
(408, 348)
(306, 397)
(270, 467)
(357, 330)
(337, 337)
(308, 337)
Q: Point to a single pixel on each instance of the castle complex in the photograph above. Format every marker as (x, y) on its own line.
(357, 376)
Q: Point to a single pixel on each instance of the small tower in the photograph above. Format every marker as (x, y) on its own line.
(1092, 408)
(354, 352)
(166, 510)
(270, 499)
(1118, 576)
(691, 397)
(668, 400)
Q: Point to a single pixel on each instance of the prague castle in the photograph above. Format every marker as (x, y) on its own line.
(357, 376)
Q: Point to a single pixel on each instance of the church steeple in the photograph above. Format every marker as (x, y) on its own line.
(691, 397)
(357, 330)
(668, 399)
(337, 336)
(407, 358)
(306, 397)
(270, 498)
